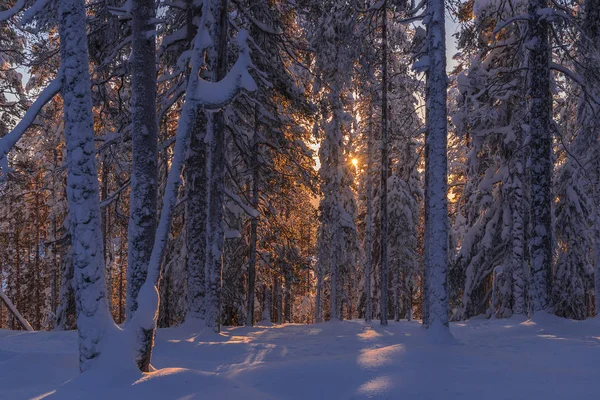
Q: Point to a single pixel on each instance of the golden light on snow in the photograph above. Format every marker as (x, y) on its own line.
(376, 387)
(379, 357)
(369, 334)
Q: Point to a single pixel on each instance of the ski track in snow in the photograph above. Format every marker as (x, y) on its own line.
(547, 358)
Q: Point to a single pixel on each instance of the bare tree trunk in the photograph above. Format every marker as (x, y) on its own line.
(66, 311)
(540, 163)
(38, 270)
(17, 267)
(334, 299)
(217, 56)
(196, 204)
(144, 172)
(435, 302)
(517, 258)
(278, 295)
(254, 222)
(384, 174)
(266, 304)
(55, 267)
(195, 219)
(369, 223)
(319, 295)
(287, 314)
(105, 231)
(122, 277)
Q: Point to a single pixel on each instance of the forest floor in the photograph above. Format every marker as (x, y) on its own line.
(544, 358)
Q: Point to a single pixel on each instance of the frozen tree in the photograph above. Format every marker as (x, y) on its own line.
(575, 223)
(211, 95)
(490, 118)
(572, 243)
(337, 207)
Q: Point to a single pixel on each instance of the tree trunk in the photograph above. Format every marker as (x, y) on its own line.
(369, 222)
(122, 268)
(277, 295)
(319, 294)
(253, 223)
(217, 59)
(195, 219)
(540, 163)
(287, 311)
(66, 312)
(333, 277)
(266, 304)
(144, 136)
(384, 174)
(589, 118)
(17, 261)
(517, 257)
(38, 270)
(93, 317)
(435, 302)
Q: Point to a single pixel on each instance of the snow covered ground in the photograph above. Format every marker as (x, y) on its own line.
(547, 358)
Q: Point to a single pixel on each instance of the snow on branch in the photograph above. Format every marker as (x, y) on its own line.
(29, 14)
(417, 8)
(249, 210)
(421, 65)
(522, 17)
(575, 78)
(32, 11)
(8, 141)
(122, 12)
(260, 25)
(414, 18)
(113, 196)
(215, 95)
(7, 14)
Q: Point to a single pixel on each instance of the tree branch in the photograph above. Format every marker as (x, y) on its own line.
(5, 15)
(8, 141)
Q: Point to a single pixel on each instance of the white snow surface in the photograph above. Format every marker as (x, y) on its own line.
(544, 358)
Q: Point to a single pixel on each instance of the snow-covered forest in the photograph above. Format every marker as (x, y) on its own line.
(208, 191)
